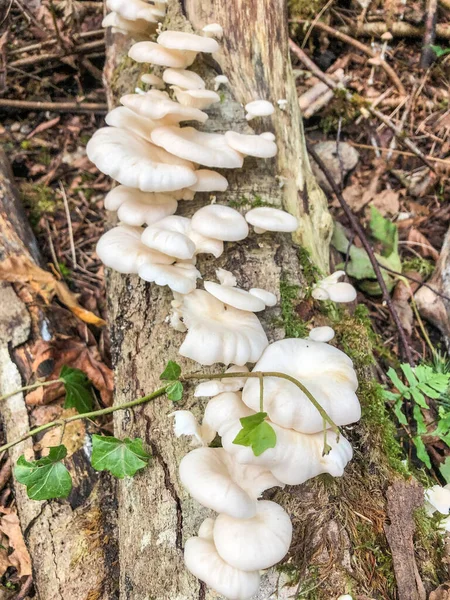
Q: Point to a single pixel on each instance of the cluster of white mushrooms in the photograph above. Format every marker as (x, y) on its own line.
(157, 162)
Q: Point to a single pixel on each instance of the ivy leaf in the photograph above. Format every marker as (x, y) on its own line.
(78, 389)
(256, 433)
(119, 457)
(172, 371)
(174, 391)
(47, 477)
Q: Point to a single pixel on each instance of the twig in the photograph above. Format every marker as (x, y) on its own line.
(38, 58)
(428, 55)
(398, 29)
(32, 386)
(25, 589)
(314, 23)
(29, 16)
(52, 42)
(362, 236)
(443, 161)
(7, 12)
(414, 280)
(69, 224)
(76, 107)
(357, 101)
(362, 47)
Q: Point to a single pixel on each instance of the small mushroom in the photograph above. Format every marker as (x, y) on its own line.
(207, 389)
(235, 297)
(133, 10)
(157, 105)
(251, 145)
(268, 135)
(213, 30)
(180, 277)
(226, 277)
(255, 543)
(208, 149)
(124, 118)
(136, 163)
(266, 218)
(155, 54)
(437, 498)
(126, 26)
(184, 79)
(220, 80)
(220, 334)
(203, 561)
(138, 208)
(154, 80)
(181, 40)
(209, 181)
(200, 99)
(259, 108)
(331, 288)
(268, 298)
(220, 222)
(186, 424)
(321, 334)
(169, 235)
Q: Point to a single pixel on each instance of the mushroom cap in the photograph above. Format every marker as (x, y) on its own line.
(136, 163)
(437, 498)
(180, 277)
(220, 334)
(216, 481)
(186, 424)
(213, 29)
(251, 145)
(150, 52)
(255, 543)
(206, 529)
(206, 245)
(330, 288)
(268, 135)
(217, 386)
(321, 334)
(209, 181)
(219, 80)
(169, 235)
(137, 26)
(124, 118)
(154, 80)
(224, 410)
(132, 10)
(226, 277)
(271, 219)
(260, 108)
(233, 296)
(195, 98)
(220, 222)
(325, 371)
(181, 40)
(203, 561)
(157, 105)
(268, 298)
(183, 78)
(209, 149)
(136, 208)
(121, 249)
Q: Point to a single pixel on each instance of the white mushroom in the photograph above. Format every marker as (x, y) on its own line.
(209, 149)
(437, 498)
(266, 218)
(138, 208)
(233, 296)
(226, 277)
(187, 80)
(220, 222)
(126, 26)
(213, 30)
(258, 108)
(219, 333)
(203, 561)
(154, 80)
(136, 163)
(251, 145)
(255, 543)
(213, 387)
(206, 245)
(195, 98)
(209, 181)
(268, 298)
(331, 288)
(124, 118)
(169, 235)
(121, 249)
(216, 481)
(268, 135)
(181, 40)
(180, 277)
(186, 424)
(150, 52)
(157, 105)
(220, 80)
(321, 334)
(133, 10)
(326, 372)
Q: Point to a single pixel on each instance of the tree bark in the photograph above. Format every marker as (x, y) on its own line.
(339, 543)
(71, 542)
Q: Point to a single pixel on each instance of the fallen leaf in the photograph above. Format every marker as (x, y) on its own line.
(18, 269)
(357, 197)
(441, 593)
(19, 557)
(387, 202)
(73, 437)
(401, 300)
(43, 127)
(422, 245)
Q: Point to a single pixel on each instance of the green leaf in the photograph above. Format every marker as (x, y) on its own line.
(440, 51)
(171, 372)
(421, 450)
(445, 469)
(78, 389)
(119, 457)
(397, 381)
(384, 231)
(47, 477)
(399, 413)
(174, 391)
(256, 433)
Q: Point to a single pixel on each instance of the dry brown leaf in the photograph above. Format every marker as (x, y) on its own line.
(386, 202)
(401, 300)
(19, 269)
(10, 527)
(441, 593)
(73, 437)
(422, 245)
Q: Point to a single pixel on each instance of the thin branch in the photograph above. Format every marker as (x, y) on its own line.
(39, 58)
(69, 224)
(428, 55)
(413, 279)
(399, 29)
(52, 42)
(443, 161)
(360, 46)
(362, 236)
(76, 107)
(32, 386)
(356, 100)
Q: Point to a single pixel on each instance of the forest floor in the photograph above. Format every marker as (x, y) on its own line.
(53, 52)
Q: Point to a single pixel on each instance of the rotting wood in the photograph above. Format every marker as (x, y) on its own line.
(398, 29)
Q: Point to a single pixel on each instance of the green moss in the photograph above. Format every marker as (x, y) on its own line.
(429, 544)
(311, 272)
(26, 144)
(420, 265)
(294, 326)
(303, 9)
(371, 542)
(39, 200)
(247, 203)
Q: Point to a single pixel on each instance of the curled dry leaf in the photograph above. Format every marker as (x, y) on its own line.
(12, 539)
(422, 245)
(401, 299)
(19, 269)
(73, 437)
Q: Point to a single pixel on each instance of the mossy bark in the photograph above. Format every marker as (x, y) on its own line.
(340, 543)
